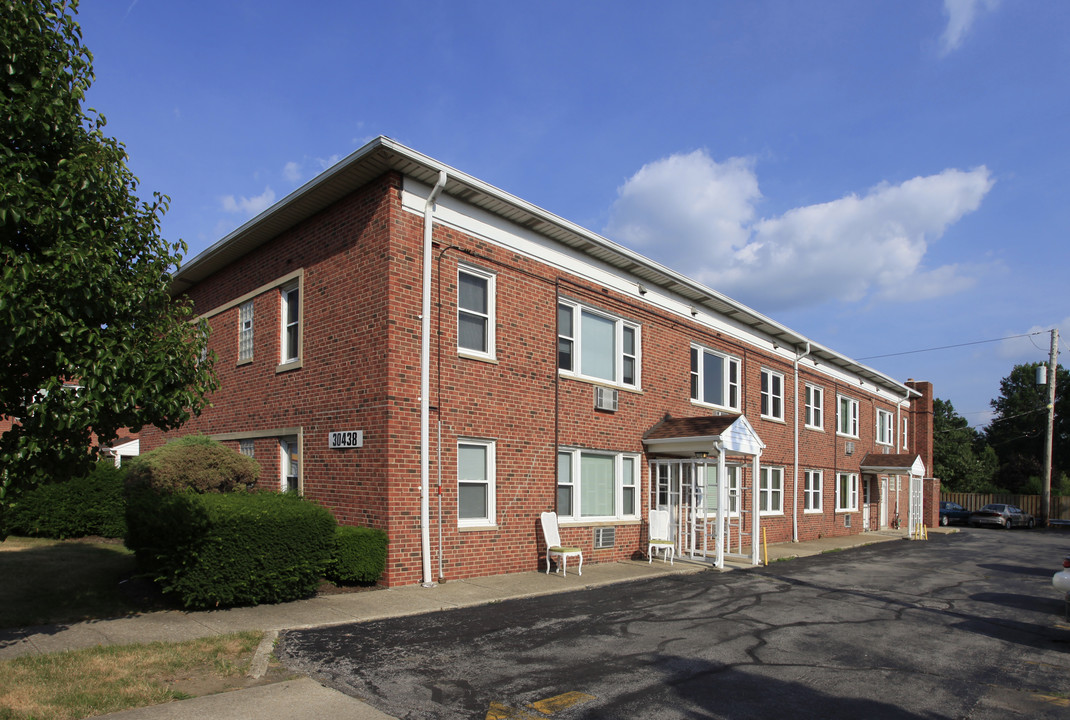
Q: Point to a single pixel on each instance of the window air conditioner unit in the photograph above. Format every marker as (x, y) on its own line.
(605, 537)
(849, 448)
(605, 399)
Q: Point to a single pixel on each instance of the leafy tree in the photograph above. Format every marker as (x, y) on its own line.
(91, 337)
(1017, 433)
(962, 458)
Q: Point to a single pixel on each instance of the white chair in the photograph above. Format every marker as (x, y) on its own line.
(554, 548)
(658, 530)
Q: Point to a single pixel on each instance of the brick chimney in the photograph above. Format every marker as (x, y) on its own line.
(920, 432)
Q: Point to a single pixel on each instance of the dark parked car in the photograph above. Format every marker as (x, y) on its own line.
(953, 513)
(1000, 515)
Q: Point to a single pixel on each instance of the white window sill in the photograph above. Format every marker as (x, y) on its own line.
(473, 355)
(477, 528)
(598, 522)
(288, 366)
(722, 408)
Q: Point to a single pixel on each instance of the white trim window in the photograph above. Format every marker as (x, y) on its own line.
(771, 491)
(475, 312)
(476, 491)
(245, 332)
(812, 490)
(247, 447)
(595, 485)
(847, 416)
(885, 428)
(815, 407)
(732, 473)
(290, 464)
(772, 395)
(598, 346)
(291, 324)
(714, 378)
(846, 492)
(905, 435)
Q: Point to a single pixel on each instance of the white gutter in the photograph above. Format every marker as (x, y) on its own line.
(425, 385)
(795, 477)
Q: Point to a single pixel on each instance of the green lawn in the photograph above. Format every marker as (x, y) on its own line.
(59, 581)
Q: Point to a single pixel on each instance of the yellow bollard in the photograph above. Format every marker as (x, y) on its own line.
(765, 548)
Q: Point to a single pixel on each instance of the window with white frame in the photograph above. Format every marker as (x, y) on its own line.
(812, 485)
(596, 345)
(731, 480)
(291, 324)
(847, 417)
(846, 492)
(475, 311)
(772, 395)
(885, 428)
(771, 491)
(290, 465)
(594, 485)
(476, 483)
(714, 378)
(905, 435)
(245, 331)
(815, 407)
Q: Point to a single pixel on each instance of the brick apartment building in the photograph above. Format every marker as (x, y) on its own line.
(535, 366)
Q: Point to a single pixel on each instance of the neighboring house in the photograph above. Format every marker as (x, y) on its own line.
(536, 366)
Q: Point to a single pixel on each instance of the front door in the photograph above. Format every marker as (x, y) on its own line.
(867, 486)
(884, 503)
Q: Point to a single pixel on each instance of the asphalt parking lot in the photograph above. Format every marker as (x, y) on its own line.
(959, 626)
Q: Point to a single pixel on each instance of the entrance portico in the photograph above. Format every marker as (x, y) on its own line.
(696, 476)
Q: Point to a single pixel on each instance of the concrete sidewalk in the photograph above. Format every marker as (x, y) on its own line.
(305, 698)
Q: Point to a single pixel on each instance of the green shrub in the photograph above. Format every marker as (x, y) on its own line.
(193, 463)
(359, 555)
(219, 550)
(89, 505)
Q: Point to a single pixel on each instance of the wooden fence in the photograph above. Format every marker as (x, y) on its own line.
(1059, 507)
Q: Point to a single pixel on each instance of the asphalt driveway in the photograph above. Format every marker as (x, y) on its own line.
(963, 625)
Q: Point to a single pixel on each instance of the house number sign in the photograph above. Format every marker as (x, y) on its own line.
(347, 439)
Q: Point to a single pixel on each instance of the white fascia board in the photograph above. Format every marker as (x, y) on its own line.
(494, 229)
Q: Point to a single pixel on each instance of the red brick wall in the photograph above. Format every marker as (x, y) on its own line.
(361, 260)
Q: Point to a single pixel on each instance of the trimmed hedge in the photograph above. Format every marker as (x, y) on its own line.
(89, 505)
(359, 555)
(193, 462)
(219, 550)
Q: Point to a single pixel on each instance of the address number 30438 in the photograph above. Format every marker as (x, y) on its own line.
(347, 439)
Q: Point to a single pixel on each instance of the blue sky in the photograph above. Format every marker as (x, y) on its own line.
(880, 176)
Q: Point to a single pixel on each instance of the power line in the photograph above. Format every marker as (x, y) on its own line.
(948, 347)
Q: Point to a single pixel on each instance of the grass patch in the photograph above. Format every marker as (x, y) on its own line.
(59, 581)
(101, 680)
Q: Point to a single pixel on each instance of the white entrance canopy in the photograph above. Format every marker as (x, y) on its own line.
(902, 464)
(716, 436)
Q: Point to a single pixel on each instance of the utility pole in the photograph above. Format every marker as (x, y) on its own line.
(1045, 488)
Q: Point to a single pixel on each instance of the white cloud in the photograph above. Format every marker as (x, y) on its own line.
(1036, 347)
(325, 163)
(697, 215)
(249, 206)
(961, 15)
(292, 172)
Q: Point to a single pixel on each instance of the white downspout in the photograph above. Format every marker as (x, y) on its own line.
(795, 476)
(722, 503)
(425, 384)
